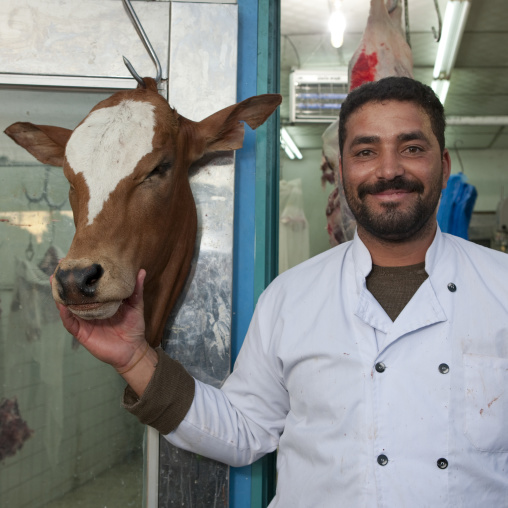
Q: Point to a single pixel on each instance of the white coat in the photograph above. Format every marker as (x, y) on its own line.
(364, 411)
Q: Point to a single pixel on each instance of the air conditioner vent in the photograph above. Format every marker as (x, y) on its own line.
(316, 96)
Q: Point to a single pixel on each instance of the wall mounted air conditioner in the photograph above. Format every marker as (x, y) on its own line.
(316, 95)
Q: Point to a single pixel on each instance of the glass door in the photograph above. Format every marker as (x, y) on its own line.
(64, 438)
(65, 441)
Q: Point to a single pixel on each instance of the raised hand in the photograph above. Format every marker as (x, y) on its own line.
(119, 340)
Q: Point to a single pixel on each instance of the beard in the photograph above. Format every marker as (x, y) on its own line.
(392, 223)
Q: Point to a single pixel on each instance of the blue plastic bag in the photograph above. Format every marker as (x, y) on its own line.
(456, 207)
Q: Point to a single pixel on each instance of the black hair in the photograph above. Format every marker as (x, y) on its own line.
(396, 88)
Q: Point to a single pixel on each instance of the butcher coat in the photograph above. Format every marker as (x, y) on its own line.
(364, 411)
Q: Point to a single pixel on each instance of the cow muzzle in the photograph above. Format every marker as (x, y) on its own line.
(81, 290)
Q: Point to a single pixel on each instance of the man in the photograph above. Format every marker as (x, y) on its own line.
(378, 368)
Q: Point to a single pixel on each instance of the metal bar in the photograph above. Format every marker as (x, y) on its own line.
(54, 81)
(267, 202)
(477, 120)
(151, 483)
(146, 42)
(244, 221)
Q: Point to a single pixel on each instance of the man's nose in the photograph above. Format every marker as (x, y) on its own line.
(390, 165)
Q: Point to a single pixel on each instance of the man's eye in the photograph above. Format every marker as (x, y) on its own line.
(363, 153)
(413, 149)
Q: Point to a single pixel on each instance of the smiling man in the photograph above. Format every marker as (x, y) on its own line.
(378, 369)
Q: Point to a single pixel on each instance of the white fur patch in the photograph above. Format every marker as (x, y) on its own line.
(108, 145)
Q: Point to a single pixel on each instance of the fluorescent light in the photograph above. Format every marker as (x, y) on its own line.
(454, 24)
(440, 87)
(286, 148)
(337, 26)
(287, 142)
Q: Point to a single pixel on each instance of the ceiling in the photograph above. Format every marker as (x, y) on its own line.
(479, 81)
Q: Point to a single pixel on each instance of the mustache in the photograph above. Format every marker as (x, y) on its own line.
(399, 183)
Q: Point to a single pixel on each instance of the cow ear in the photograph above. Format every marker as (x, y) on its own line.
(44, 142)
(224, 131)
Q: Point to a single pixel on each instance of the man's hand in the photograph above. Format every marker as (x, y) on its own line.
(119, 340)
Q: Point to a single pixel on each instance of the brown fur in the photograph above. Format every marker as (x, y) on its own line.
(151, 226)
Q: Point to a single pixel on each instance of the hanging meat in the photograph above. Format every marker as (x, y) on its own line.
(382, 52)
(14, 431)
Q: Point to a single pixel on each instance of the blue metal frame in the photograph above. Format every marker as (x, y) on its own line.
(256, 210)
(244, 223)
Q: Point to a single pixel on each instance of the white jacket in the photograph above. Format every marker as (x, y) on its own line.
(348, 435)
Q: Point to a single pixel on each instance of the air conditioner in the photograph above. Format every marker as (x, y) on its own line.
(316, 95)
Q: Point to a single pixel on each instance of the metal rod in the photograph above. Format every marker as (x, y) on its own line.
(437, 33)
(406, 18)
(146, 42)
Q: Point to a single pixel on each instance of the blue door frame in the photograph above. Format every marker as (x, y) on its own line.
(255, 247)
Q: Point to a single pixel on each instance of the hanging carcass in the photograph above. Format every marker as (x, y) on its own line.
(382, 52)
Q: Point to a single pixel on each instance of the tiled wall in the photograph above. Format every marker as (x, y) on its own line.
(73, 407)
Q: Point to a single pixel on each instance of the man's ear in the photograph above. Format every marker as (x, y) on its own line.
(446, 163)
(340, 171)
(224, 131)
(44, 142)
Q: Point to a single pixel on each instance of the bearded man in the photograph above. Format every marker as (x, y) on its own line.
(378, 369)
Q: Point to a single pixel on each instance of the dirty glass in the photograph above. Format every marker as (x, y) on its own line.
(65, 441)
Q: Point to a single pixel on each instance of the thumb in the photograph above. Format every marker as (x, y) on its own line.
(136, 299)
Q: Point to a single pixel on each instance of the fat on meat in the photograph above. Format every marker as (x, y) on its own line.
(382, 52)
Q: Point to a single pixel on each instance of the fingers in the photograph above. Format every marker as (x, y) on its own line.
(69, 321)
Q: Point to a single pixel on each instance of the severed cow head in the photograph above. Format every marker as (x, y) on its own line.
(127, 164)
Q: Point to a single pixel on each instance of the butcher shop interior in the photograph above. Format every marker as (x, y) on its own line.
(475, 101)
(65, 441)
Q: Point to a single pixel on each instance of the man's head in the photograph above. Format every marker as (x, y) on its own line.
(393, 166)
(395, 88)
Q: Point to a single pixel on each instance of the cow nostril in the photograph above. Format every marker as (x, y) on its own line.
(94, 274)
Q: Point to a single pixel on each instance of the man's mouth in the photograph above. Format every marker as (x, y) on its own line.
(391, 194)
(390, 189)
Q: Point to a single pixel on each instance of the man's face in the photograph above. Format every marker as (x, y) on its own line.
(392, 170)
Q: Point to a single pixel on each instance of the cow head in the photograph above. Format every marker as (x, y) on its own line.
(127, 164)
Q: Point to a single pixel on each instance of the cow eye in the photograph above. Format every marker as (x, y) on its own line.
(160, 170)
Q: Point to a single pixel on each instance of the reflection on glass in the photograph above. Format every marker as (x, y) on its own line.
(65, 441)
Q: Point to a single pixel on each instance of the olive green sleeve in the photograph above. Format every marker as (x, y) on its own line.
(167, 397)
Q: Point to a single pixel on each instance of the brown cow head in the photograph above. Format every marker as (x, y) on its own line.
(127, 164)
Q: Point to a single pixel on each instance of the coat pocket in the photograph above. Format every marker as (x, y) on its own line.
(486, 382)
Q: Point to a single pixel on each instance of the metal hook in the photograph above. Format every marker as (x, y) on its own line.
(146, 42)
(29, 252)
(437, 33)
(457, 141)
(406, 21)
(44, 195)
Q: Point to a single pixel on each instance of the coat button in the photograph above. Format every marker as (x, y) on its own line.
(382, 460)
(380, 367)
(452, 287)
(442, 463)
(444, 369)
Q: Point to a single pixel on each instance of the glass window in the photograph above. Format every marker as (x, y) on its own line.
(64, 438)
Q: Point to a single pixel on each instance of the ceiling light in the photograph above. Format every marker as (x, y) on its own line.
(453, 27)
(289, 145)
(337, 25)
(440, 87)
(286, 148)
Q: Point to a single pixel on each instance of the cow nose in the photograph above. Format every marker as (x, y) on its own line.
(81, 280)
